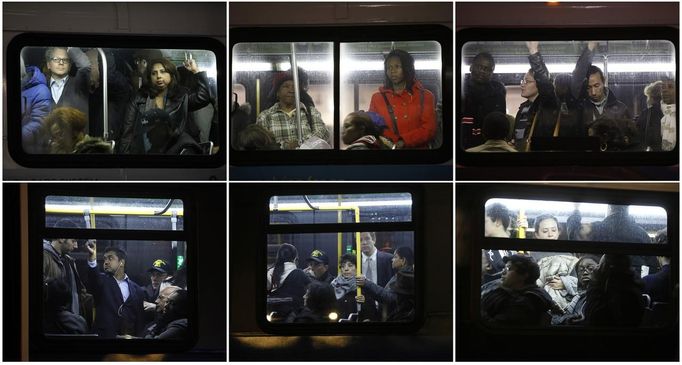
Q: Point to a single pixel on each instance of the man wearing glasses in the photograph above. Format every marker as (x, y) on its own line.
(68, 91)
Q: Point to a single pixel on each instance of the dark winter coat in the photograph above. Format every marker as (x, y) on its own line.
(479, 101)
(180, 102)
(617, 301)
(113, 316)
(525, 307)
(36, 103)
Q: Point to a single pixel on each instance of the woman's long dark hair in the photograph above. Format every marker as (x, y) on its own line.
(170, 68)
(407, 63)
(286, 253)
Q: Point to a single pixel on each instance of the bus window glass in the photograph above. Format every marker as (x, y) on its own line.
(80, 301)
(408, 73)
(342, 208)
(573, 289)
(568, 96)
(118, 100)
(114, 213)
(577, 221)
(272, 122)
(319, 277)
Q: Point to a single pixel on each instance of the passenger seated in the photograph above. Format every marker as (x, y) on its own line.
(555, 278)
(256, 138)
(360, 133)
(518, 301)
(319, 303)
(65, 127)
(93, 145)
(495, 131)
(174, 318)
(281, 121)
(614, 295)
(574, 311)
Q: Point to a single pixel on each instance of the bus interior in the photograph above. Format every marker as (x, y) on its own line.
(574, 233)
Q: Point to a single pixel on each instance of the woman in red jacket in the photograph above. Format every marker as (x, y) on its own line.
(405, 104)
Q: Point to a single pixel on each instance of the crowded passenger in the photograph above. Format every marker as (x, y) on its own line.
(318, 267)
(495, 132)
(158, 272)
(163, 93)
(537, 116)
(376, 265)
(64, 127)
(345, 290)
(482, 96)
(173, 325)
(405, 104)
(361, 133)
(68, 91)
(36, 103)
(403, 289)
(286, 283)
(614, 295)
(403, 260)
(518, 301)
(658, 122)
(574, 311)
(497, 220)
(281, 120)
(658, 285)
(161, 136)
(118, 299)
(59, 318)
(319, 305)
(154, 327)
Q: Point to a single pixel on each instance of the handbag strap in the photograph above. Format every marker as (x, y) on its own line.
(532, 129)
(393, 118)
(557, 125)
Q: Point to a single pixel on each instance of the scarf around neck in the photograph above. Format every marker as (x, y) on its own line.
(343, 286)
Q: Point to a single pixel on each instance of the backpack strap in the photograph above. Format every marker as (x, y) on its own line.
(393, 118)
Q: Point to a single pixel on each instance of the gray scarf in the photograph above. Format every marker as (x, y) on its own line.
(343, 286)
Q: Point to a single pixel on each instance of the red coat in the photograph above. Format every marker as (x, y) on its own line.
(416, 126)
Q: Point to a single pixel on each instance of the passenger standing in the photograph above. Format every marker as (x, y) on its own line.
(58, 318)
(376, 265)
(589, 85)
(496, 223)
(318, 267)
(118, 300)
(165, 93)
(482, 96)
(403, 260)
(345, 286)
(405, 104)
(286, 283)
(537, 116)
(659, 120)
(59, 265)
(68, 91)
(36, 103)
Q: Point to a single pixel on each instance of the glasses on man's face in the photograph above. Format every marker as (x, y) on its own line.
(60, 60)
(524, 81)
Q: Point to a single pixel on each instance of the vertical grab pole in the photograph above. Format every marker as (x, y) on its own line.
(358, 256)
(294, 72)
(105, 95)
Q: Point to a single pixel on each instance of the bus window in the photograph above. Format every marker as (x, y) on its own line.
(340, 277)
(576, 289)
(119, 100)
(572, 95)
(576, 221)
(114, 213)
(343, 208)
(266, 68)
(365, 76)
(115, 268)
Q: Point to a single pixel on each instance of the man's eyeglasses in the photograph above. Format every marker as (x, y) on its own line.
(60, 60)
(524, 81)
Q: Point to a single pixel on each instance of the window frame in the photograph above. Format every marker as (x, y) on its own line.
(415, 226)
(37, 232)
(667, 200)
(350, 34)
(14, 140)
(546, 158)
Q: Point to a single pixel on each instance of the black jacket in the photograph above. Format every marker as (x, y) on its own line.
(180, 101)
(526, 307)
(113, 316)
(76, 92)
(479, 101)
(649, 126)
(544, 110)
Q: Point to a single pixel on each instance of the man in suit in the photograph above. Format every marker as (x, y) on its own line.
(66, 90)
(118, 300)
(376, 265)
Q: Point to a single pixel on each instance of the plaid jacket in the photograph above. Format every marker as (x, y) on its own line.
(283, 127)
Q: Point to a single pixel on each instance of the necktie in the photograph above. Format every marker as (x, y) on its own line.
(369, 272)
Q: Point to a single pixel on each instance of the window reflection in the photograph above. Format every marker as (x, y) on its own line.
(119, 100)
(577, 95)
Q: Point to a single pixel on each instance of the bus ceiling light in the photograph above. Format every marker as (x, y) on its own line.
(554, 68)
(592, 209)
(379, 203)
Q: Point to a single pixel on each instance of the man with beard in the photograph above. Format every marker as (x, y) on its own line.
(118, 300)
(482, 95)
(575, 309)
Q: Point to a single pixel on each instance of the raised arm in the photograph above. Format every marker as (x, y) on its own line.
(581, 67)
